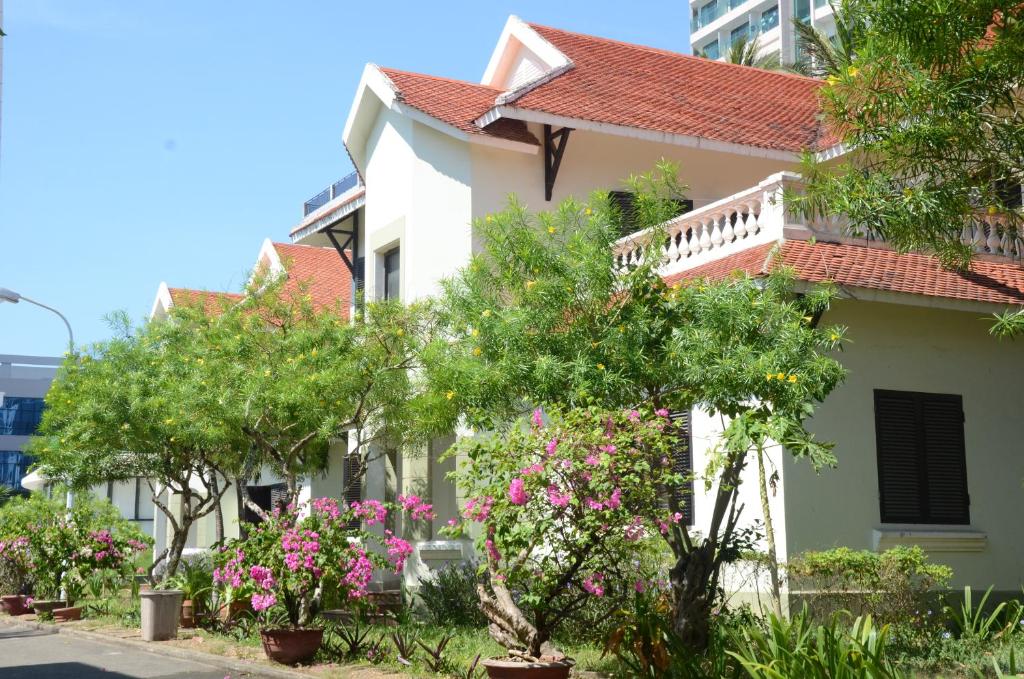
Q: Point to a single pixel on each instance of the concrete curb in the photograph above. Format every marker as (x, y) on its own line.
(231, 664)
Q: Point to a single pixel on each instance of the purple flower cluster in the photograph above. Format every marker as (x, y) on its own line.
(232, 572)
(370, 511)
(398, 550)
(416, 507)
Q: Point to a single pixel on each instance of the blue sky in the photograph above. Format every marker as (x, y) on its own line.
(163, 141)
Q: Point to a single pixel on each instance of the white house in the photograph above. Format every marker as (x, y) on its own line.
(926, 423)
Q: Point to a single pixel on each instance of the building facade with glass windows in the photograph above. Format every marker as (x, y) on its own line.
(716, 24)
(24, 381)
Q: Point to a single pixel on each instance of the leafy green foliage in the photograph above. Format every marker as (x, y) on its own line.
(448, 596)
(930, 107)
(981, 622)
(894, 586)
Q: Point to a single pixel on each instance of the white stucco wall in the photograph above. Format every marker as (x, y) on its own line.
(930, 350)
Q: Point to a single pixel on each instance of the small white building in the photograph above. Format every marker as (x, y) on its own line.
(926, 424)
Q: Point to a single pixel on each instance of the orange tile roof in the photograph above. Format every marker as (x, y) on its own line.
(643, 87)
(322, 270)
(457, 103)
(873, 268)
(212, 302)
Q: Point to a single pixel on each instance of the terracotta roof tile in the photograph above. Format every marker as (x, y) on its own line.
(643, 87)
(322, 269)
(212, 302)
(457, 103)
(873, 268)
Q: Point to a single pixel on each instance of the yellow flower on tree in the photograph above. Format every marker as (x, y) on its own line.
(450, 395)
(487, 313)
(792, 378)
(600, 366)
(781, 376)
(551, 229)
(530, 284)
(476, 351)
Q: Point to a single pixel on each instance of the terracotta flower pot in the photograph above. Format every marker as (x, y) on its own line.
(48, 606)
(13, 604)
(67, 614)
(508, 668)
(235, 610)
(189, 615)
(291, 646)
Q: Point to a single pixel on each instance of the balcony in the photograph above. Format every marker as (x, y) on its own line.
(335, 190)
(759, 215)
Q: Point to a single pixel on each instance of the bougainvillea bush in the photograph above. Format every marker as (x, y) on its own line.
(15, 565)
(297, 559)
(563, 502)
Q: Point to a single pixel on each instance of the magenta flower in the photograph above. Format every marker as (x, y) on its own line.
(261, 602)
(550, 447)
(538, 418)
(592, 584)
(492, 550)
(371, 511)
(593, 460)
(633, 415)
(615, 500)
(661, 412)
(556, 497)
(593, 504)
(537, 468)
(516, 492)
(398, 551)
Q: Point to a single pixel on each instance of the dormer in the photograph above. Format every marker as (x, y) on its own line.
(522, 57)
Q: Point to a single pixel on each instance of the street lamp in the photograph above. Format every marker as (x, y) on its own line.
(13, 297)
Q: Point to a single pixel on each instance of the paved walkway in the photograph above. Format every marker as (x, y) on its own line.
(28, 653)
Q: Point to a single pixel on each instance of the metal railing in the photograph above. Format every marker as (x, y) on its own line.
(346, 183)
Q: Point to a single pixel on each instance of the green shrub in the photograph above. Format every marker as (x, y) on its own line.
(800, 648)
(449, 598)
(896, 586)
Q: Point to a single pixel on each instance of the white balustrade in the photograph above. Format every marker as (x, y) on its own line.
(758, 215)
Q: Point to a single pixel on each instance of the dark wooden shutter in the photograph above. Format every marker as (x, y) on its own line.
(352, 483)
(682, 462)
(922, 470)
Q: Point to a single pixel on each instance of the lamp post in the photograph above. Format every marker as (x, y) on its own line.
(13, 297)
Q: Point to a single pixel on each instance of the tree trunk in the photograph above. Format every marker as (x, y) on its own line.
(690, 578)
(769, 531)
(177, 546)
(510, 628)
(243, 525)
(218, 511)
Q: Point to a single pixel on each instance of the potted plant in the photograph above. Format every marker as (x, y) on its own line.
(555, 524)
(15, 574)
(233, 588)
(301, 555)
(195, 581)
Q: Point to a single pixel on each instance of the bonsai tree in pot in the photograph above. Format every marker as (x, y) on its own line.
(560, 508)
(304, 555)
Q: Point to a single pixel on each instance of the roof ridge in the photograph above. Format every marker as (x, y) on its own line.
(670, 53)
(302, 245)
(442, 78)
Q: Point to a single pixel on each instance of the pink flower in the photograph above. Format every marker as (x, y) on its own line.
(359, 573)
(593, 460)
(492, 550)
(398, 550)
(516, 492)
(416, 507)
(593, 504)
(607, 448)
(661, 412)
(663, 527)
(478, 509)
(633, 415)
(326, 506)
(453, 522)
(372, 511)
(538, 418)
(261, 602)
(556, 497)
(550, 447)
(635, 530)
(592, 584)
(536, 468)
(615, 500)
(640, 586)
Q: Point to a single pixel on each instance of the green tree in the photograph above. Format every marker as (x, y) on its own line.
(930, 111)
(820, 56)
(285, 378)
(127, 409)
(746, 51)
(542, 315)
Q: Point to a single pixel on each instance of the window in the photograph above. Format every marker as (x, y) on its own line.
(802, 10)
(710, 50)
(770, 18)
(733, 4)
(1009, 193)
(13, 467)
(623, 202)
(133, 498)
(820, 3)
(20, 416)
(267, 498)
(682, 462)
(709, 13)
(392, 274)
(922, 468)
(739, 33)
(352, 481)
